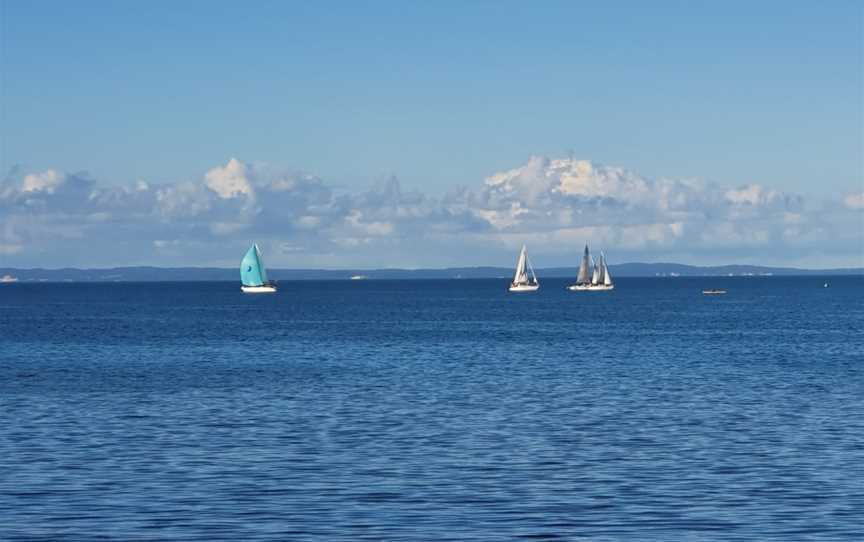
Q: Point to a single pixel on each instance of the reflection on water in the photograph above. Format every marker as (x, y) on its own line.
(427, 410)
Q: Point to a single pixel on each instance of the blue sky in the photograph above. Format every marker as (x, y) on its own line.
(438, 95)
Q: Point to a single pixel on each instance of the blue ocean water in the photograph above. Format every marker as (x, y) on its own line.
(433, 410)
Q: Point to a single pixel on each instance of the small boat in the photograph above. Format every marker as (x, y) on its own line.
(358, 277)
(253, 276)
(5, 279)
(521, 281)
(600, 279)
(713, 291)
(826, 285)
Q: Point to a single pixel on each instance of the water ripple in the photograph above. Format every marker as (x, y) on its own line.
(425, 410)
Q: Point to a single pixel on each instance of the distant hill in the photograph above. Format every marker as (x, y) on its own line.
(673, 269)
(159, 274)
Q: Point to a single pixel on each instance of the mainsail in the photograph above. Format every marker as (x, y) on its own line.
(252, 271)
(582, 277)
(521, 277)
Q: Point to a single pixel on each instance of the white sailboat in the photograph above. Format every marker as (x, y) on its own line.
(253, 276)
(592, 280)
(521, 280)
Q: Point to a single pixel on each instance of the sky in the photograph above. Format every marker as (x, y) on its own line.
(428, 134)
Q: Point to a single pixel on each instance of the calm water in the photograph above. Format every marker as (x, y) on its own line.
(429, 410)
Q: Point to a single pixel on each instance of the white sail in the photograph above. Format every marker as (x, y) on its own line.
(601, 269)
(607, 278)
(596, 277)
(520, 277)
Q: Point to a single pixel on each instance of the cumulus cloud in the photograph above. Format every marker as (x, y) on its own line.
(46, 181)
(578, 200)
(53, 218)
(230, 180)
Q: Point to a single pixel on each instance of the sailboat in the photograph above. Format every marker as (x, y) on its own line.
(253, 276)
(592, 276)
(521, 281)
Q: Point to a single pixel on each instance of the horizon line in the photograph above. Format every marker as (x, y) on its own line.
(336, 269)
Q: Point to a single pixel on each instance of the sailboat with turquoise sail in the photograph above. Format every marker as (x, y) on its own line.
(253, 276)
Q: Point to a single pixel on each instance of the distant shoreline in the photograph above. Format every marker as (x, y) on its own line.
(171, 274)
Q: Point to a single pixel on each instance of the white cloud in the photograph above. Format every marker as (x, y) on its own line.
(52, 218)
(47, 181)
(230, 180)
(751, 195)
(181, 200)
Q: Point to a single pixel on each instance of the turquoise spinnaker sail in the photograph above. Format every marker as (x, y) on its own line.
(252, 271)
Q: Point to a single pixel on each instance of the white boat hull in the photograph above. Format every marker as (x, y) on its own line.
(591, 287)
(524, 287)
(258, 289)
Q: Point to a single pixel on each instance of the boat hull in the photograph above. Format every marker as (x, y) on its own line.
(524, 287)
(591, 287)
(258, 289)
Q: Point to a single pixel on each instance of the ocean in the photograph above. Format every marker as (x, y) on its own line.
(433, 410)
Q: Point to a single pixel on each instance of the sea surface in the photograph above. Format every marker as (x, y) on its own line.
(433, 410)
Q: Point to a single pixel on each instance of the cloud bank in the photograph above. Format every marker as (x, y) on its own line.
(55, 219)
